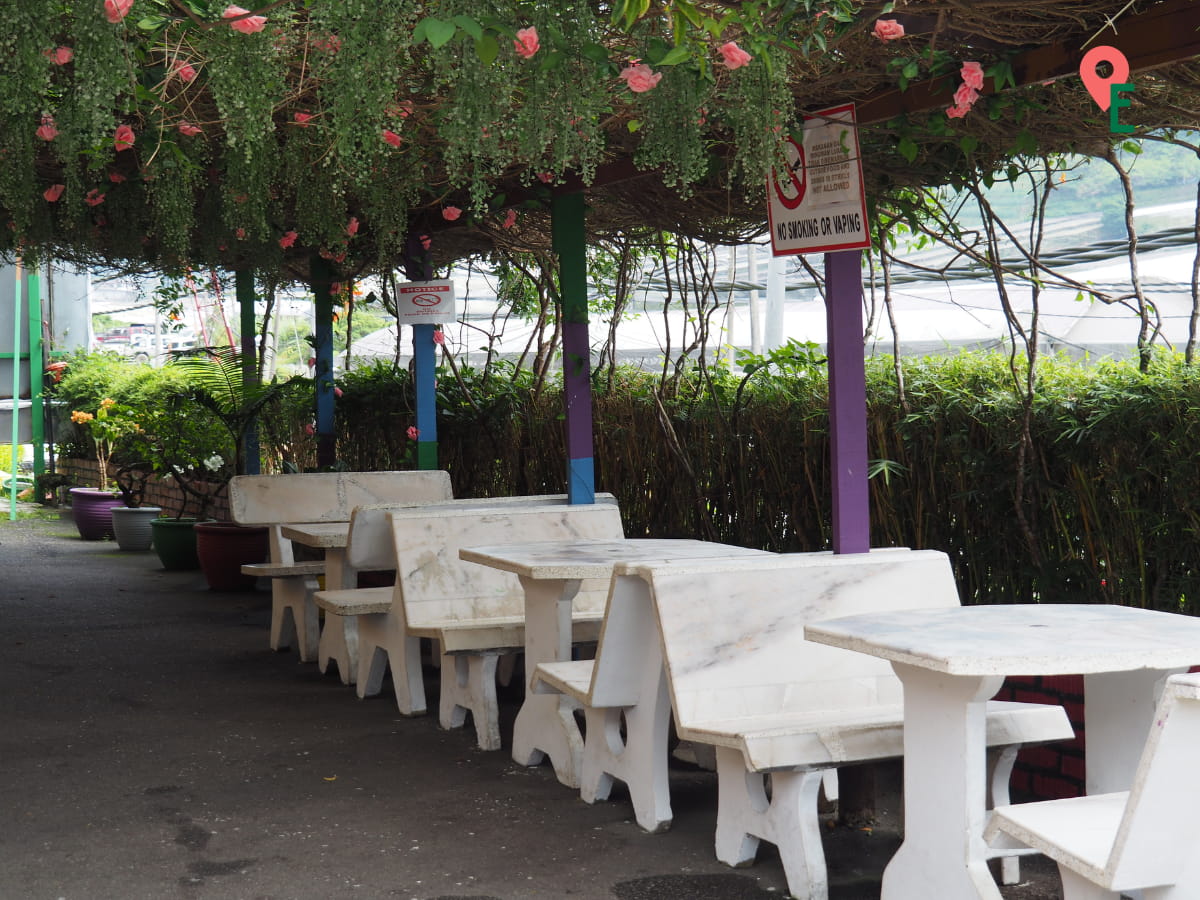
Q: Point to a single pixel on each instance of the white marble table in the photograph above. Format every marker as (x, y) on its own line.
(952, 660)
(331, 537)
(551, 573)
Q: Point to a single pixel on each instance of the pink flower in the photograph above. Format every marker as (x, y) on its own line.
(439, 338)
(53, 192)
(391, 137)
(640, 77)
(510, 218)
(123, 137)
(288, 239)
(544, 177)
(240, 234)
(116, 177)
(188, 129)
(957, 112)
(888, 29)
(60, 56)
(116, 10)
(352, 226)
(526, 43)
(308, 427)
(337, 392)
(965, 96)
(426, 241)
(302, 118)
(47, 130)
(248, 25)
(972, 75)
(94, 197)
(185, 70)
(412, 432)
(450, 213)
(733, 56)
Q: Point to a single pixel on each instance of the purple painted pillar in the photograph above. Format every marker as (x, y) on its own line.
(847, 402)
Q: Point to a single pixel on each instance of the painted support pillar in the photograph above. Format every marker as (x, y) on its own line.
(419, 267)
(321, 277)
(37, 369)
(570, 243)
(244, 287)
(847, 402)
(16, 388)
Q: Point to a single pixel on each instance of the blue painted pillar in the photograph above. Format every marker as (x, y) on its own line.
(847, 402)
(418, 266)
(321, 276)
(570, 243)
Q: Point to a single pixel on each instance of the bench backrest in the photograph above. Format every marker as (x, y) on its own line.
(328, 496)
(732, 632)
(370, 548)
(433, 584)
(1157, 834)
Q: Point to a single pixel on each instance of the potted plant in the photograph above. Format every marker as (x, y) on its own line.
(219, 385)
(131, 521)
(91, 506)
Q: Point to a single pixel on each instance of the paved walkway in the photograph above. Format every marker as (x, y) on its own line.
(152, 746)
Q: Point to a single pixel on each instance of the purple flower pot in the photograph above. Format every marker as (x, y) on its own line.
(91, 510)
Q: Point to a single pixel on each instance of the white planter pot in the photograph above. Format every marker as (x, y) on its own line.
(131, 526)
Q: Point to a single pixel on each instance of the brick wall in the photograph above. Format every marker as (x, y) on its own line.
(159, 492)
(1049, 771)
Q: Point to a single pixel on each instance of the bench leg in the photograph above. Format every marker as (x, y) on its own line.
(469, 685)
(294, 617)
(639, 758)
(339, 643)
(1076, 887)
(383, 641)
(788, 819)
(1000, 766)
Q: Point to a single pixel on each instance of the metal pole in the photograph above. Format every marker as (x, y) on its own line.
(321, 276)
(420, 268)
(37, 369)
(244, 289)
(570, 243)
(16, 393)
(847, 402)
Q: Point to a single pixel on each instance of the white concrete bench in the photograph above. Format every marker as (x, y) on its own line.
(275, 500)
(742, 677)
(369, 547)
(1107, 845)
(475, 613)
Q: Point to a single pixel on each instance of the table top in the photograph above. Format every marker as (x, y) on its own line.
(593, 558)
(327, 535)
(1020, 639)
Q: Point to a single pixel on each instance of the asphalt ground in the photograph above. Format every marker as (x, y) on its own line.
(153, 746)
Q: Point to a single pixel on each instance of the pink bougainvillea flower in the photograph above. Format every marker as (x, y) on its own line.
(888, 29)
(352, 226)
(412, 433)
(957, 112)
(526, 43)
(308, 426)
(426, 241)
(248, 25)
(391, 137)
(450, 213)
(116, 177)
(240, 233)
(123, 137)
(510, 218)
(116, 10)
(288, 239)
(965, 96)
(60, 56)
(188, 129)
(53, 192)
(331, 44)
(302, 118)
(439, 338)
(47, 131)
(94, 197)
(337, 392)
(640, 77)
(972, 75)
(544, 177)
(733, 56)
(185, 70)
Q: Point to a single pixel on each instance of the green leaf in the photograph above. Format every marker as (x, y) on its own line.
(487, 48)
(469, 25)
(675, 56)
(967, 144)
(595, 53)
(911, 69)
(553, 60)
(633, 125)
(437, 32)
(907, 148)
(689, 9)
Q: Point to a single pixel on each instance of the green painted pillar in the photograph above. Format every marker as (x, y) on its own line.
(321, 276)
(37, 377)
(244, 288)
